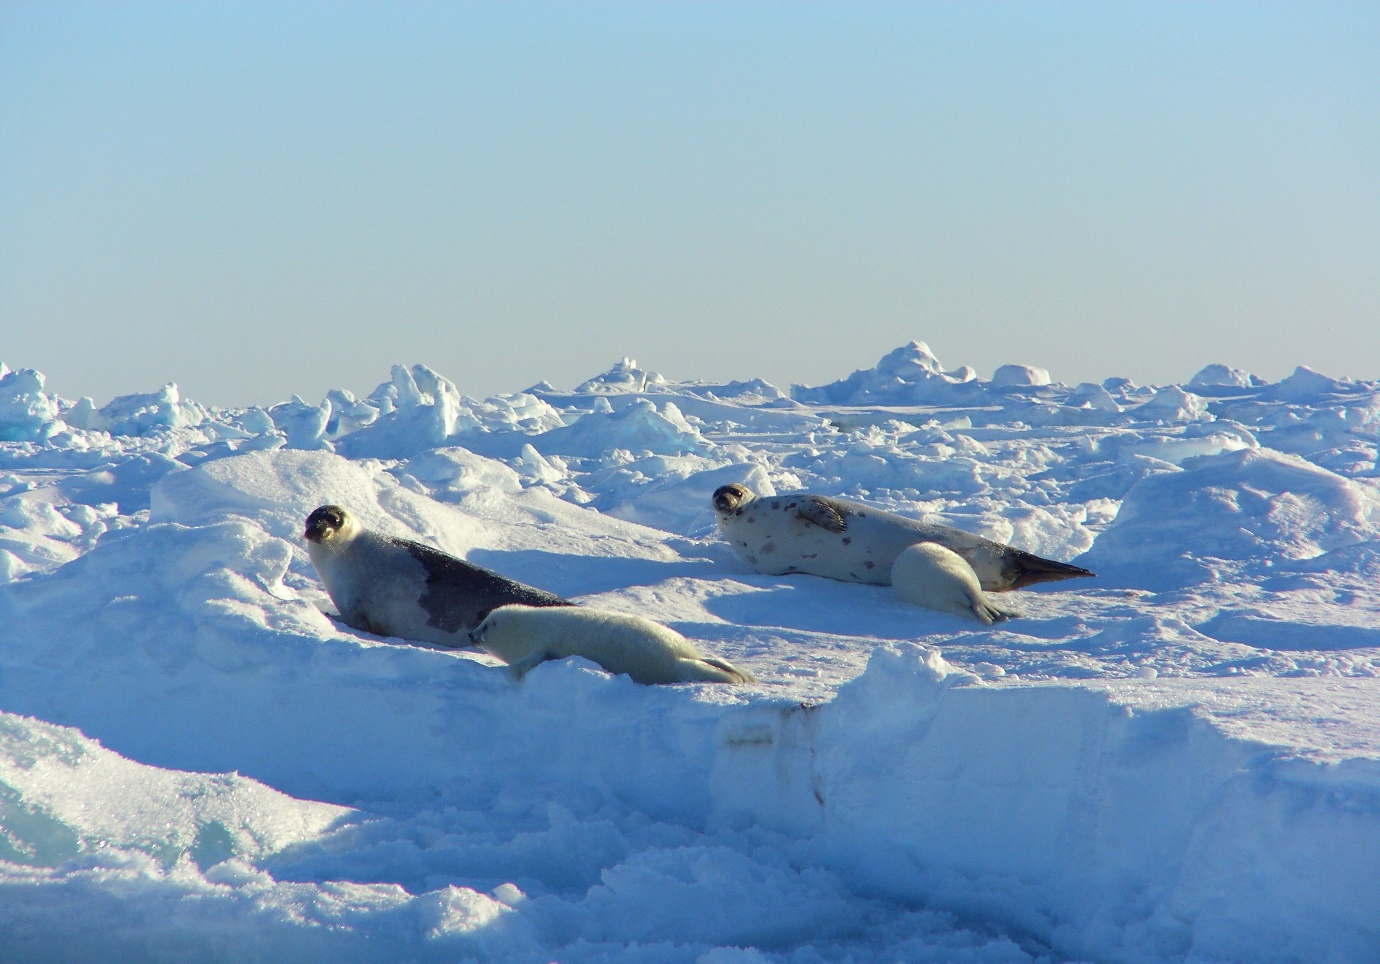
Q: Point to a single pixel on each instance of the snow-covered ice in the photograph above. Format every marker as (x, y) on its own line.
(1178, 760)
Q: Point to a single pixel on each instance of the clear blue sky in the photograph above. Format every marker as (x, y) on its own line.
(256, 200)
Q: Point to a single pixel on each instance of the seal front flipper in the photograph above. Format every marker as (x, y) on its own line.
(358, 619)
(524, 666)
(817, 512)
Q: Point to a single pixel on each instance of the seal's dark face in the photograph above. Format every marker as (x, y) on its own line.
(729, 497)
(324, 523)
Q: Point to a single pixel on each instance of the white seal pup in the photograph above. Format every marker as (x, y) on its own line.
(523, 636)
(847, 540)
(396, 587)
(930, 575)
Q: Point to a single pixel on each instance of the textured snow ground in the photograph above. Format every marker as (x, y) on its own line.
(1177, 760)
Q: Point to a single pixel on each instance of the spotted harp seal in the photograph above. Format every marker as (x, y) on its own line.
(847, 540)
(396, 587)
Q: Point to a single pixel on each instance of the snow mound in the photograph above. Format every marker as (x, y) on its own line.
(418, 410)
(1306, 385)
(1224, 376)
(276, 490)
(65, 795)
(625, 376)
(1019, 376)
(1248, 507)
(637, 427)
(27, 413)
(754, 391)
(138, 414)
(909, 375)
(682, 504)
(1173, 404)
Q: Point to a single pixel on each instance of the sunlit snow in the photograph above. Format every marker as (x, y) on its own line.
(1178, 760)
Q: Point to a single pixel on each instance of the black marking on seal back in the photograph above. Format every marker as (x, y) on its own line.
(458, 594)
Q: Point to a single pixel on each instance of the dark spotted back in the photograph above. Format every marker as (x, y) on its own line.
(459, 594)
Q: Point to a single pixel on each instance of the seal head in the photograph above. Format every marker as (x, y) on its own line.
(325, 524)
(729, 498)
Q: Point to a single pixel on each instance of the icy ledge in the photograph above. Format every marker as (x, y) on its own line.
(1117, 822)
(1108, 830)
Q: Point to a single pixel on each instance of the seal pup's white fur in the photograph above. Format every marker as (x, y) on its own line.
(523, 636)
(930, 575)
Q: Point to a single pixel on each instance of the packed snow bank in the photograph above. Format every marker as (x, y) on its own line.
(1116, 825)
(63, 795)
(1109, 829)
(111, 860)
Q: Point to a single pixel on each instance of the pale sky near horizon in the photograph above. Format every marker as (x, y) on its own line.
(256, 200)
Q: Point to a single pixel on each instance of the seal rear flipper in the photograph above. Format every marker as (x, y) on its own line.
(1021, 569)
(817, 511)
(707, 669)
(742, 675)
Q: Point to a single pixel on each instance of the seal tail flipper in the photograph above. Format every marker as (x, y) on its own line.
(1026, 569)
(709, 669)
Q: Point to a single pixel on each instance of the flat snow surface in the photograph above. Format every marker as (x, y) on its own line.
(1176, 760)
